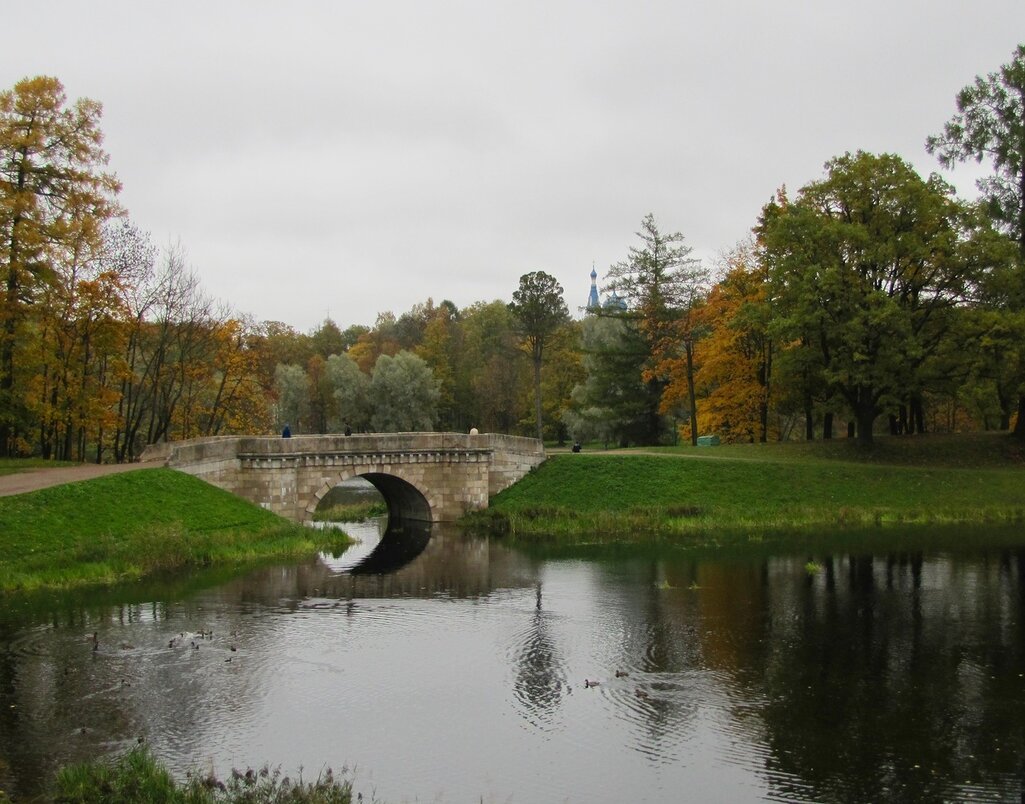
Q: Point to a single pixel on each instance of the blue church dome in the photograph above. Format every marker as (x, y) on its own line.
(592, 298)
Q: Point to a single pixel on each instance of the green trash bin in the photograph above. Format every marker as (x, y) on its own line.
(708, 441)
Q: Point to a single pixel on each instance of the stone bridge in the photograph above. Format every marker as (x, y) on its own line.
(432, 477)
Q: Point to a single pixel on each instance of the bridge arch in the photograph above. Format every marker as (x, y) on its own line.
(405, 501)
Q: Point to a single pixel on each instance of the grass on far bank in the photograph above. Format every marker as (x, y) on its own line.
(10, 466)
(687, 495)
(351, 512)
(126, 526)
(137, 776)
(992, 450)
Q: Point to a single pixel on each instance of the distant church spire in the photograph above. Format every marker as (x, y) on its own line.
(592, 299)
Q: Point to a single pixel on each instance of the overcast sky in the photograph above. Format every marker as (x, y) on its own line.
(348, 158)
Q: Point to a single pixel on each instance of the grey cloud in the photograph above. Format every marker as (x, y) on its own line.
(358, 157)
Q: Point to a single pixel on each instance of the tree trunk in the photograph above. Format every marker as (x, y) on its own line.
(917, 415)
(765, 379)
(7, 430)
(537, 397)
(689, 350)
(827, 427)
(7, 356)
(866, 415)
(1019, 427)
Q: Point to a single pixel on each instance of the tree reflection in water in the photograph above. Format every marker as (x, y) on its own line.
(908, 689)
(540, 677)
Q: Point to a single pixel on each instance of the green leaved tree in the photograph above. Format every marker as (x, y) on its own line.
(866, 266)
(404, 394)
(989, 126)
(540, 310)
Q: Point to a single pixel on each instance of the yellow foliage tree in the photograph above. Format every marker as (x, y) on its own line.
(735, 357)
(53, 196)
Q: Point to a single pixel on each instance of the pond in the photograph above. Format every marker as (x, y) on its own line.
(455, 669)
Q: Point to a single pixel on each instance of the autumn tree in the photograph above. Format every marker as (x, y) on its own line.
(72, 337)
(53, 188)
(280, 343)
(738, 352)
(234, 400)
(410, 328)
(178, 348)
(871, 259)
(351, 334)
(172, 353)
(441, 347)
(381, 339)
(80, 339)
(989, 126)
(540, 310)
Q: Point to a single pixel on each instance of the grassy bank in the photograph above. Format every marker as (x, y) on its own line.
(126, 526)
(758, 491)
(137, 776)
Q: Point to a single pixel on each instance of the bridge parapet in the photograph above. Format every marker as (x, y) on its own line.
(512, 458)
(437, 476)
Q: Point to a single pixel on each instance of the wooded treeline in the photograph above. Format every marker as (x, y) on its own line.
(872, 299)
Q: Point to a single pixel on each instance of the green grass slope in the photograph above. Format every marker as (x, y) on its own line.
(126, 526)
(627, 496)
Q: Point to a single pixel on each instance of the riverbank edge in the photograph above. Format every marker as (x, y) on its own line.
(569, 533)
(138, 776)
(127, 527)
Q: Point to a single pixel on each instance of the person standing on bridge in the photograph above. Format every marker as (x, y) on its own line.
(348, 430)
(287, 432)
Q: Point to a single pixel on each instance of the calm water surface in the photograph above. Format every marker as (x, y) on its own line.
(453, 669)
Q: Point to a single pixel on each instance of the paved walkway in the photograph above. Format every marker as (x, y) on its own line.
(35, 479)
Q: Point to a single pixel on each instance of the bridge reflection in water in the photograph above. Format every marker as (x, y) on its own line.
(400, 543)
(407, 559)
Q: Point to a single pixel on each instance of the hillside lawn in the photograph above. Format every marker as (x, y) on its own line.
(127, 526)
(751, 493)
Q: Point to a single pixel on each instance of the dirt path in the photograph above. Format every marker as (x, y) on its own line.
(35, 479)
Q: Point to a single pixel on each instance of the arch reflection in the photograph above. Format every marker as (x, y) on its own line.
(402, 541)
